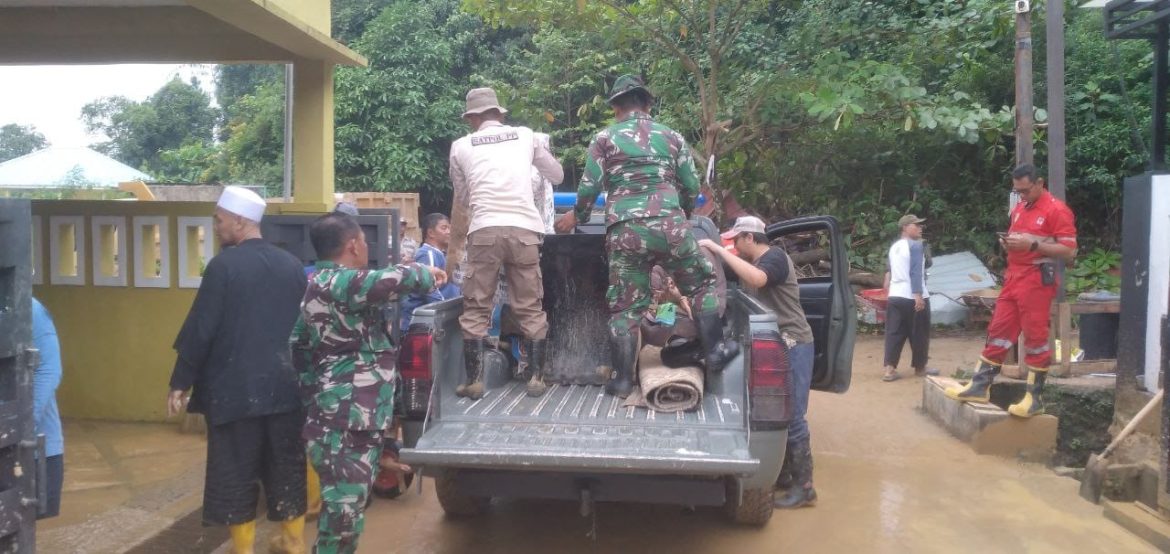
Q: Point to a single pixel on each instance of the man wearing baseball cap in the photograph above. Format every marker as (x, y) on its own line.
(908, 308)
(767, 271)
(493, 212)
(233, 355)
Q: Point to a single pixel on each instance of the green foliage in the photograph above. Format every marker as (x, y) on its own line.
(178, 114)
(235, 81)
(254, 150)
(1099, 270)
(395, 120)
(18, 140)
(350, 17)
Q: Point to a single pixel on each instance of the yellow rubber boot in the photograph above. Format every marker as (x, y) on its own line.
(1032, 404)
(291, 539)
(979, 389)
(313, 491)
(243, 537)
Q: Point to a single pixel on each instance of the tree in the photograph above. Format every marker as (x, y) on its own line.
(697, 35)
(18, 140)
(395, 120)
(177, 114)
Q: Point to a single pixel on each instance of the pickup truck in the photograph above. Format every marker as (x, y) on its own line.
(578, 443)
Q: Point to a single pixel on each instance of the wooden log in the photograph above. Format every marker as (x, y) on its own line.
(809, 256)
(866, 280)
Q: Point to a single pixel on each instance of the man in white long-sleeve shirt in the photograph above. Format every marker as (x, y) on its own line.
(908, 309)
(494, 213)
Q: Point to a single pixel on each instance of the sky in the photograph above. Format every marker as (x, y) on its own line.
(50, 97)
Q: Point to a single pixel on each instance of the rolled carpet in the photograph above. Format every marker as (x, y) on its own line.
(666, 389)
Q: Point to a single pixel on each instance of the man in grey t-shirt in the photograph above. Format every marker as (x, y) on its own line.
(767, 271)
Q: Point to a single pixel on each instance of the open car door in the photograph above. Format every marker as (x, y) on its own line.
(817, 250)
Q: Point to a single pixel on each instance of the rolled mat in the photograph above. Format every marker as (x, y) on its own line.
(665, 389)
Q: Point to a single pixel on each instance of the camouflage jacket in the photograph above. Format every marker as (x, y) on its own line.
(340, 346)
(645, 168)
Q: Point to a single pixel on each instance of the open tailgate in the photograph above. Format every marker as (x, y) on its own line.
(580, 428)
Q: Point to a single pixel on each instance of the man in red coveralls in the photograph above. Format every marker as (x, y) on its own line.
(1041, 232)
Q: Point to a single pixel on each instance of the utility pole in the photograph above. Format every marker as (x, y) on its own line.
(1024, 122)
(1054, 37)
(1023, 67)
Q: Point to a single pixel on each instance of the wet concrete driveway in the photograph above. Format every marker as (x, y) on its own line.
(889, 480)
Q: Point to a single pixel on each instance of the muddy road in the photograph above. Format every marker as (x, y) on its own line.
(889, 480)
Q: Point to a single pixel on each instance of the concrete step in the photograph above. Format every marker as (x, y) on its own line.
(988, 428)
(1140, 521)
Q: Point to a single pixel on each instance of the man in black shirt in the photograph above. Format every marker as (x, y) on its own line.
(233, 354)
(767, 272)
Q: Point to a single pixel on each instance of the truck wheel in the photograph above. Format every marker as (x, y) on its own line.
(454, 501)
(756, 508)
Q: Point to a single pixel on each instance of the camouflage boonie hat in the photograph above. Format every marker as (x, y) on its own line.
(627, 83)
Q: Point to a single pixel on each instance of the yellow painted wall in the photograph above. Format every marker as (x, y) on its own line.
(116, 341)
(313, 12)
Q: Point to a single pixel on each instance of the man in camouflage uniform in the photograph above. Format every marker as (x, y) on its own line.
(649, 175)
(346, 363)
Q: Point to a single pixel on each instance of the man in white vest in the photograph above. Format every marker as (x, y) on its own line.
(494, 215)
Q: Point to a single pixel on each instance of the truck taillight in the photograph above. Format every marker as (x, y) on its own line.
(414, 365)
(769, 382)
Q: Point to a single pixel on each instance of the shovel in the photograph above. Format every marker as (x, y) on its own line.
(1095, 470)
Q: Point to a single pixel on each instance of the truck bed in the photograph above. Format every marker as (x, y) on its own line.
(580, 427)
(575, 426)
(585, 404)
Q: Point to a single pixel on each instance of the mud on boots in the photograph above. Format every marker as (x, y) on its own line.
(624, 349)
(473, 365)
(1032, 404)
(719, 350)
(800, 493)
(979, 389)
(535, 351)
(291, 539)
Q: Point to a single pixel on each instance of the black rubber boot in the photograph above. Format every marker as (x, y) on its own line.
(681, 352)
(1032, 404)
(535, 350)
(784, 480)
(624, 349)
(800, 493)
(979, 389)
(473, 365)
(717, 349)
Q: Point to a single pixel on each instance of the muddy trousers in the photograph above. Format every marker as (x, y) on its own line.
(347, 461)
(517, 251)
(903, 323)
(242, 455)
(1024, 304)
(634, 248)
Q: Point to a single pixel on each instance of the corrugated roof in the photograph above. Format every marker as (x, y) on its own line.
(952, 275)
(60, 166)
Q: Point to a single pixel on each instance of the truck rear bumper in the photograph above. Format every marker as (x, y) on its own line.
(658, 489)
(585, 448)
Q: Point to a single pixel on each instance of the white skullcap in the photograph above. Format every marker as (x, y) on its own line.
(242, 202)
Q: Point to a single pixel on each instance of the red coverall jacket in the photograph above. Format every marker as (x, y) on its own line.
(1025, 302)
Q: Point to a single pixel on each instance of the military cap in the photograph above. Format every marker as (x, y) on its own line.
(627, 83)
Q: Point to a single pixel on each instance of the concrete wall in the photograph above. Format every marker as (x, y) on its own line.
(313, 12)
(116, 337)
(115, 340)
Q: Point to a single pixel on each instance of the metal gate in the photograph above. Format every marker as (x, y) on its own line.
(18, 445)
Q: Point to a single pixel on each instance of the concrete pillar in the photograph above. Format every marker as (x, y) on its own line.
(313, 135)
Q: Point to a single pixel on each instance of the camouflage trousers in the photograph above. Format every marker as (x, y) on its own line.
(634, 248)
(347, 462)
